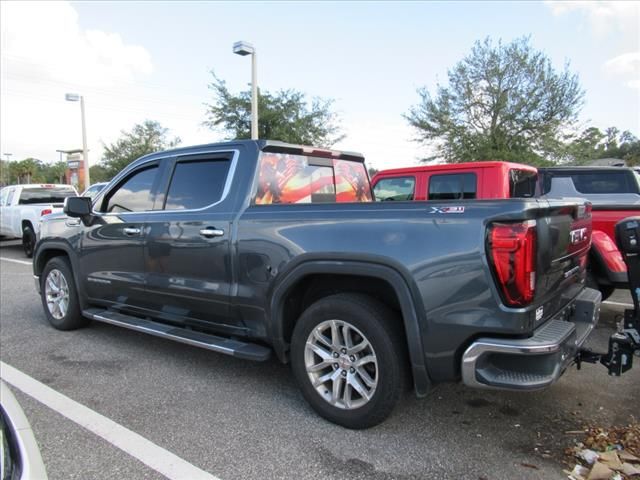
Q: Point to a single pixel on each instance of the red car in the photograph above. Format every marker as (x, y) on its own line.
(613, 191)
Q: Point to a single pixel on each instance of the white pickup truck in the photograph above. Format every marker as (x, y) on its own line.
(22, 206)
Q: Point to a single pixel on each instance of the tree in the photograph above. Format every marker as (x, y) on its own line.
(144, 138)
(55, 173)
(98, 173)
(285, 115)
(503, 102)
(592, 144)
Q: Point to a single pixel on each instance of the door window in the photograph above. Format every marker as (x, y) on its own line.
(196, 184)
(395, 188)
(457, 186)
(134, 195)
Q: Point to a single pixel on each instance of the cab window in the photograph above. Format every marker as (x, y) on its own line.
(134, 194)
(455, 186)
(395, 189)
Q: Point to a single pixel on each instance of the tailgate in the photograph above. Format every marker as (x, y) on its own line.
(540, 263)
(564, 239)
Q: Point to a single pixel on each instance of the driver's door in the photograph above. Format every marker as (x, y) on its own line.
(111, 260)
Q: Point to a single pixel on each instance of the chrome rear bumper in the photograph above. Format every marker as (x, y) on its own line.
(535, 362)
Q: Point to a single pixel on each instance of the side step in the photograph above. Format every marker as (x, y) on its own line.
(235, 348)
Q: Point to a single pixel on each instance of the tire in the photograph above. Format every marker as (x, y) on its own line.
(28, 241)
(606, 290)
(385, 361)
(56, 282)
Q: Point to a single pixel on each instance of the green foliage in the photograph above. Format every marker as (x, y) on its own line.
(503, 102)
(593, 144)
(144, 138)
(284, 115)
(98, 173)
(32, 170)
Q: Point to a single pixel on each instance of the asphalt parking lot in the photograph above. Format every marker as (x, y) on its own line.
(242, 420)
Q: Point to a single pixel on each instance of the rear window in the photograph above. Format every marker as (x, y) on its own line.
(395, 189)
(595, 182)
(45, 195)
(286, 178)
(457, 186)
(522, 183)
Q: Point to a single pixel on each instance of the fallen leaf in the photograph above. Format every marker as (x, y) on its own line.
(630, 470)
(600, 472)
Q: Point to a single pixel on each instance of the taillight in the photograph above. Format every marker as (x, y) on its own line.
(512, 248)
(46, 211)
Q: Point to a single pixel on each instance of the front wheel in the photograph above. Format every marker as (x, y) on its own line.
(59, 295)
(28, 241)
(348, 358)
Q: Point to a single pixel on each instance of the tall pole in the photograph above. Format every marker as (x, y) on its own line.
(254, 97)
(85, 151)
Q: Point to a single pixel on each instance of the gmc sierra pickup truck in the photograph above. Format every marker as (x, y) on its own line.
(249, 248)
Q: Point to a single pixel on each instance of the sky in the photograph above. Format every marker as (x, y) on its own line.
(152, 60)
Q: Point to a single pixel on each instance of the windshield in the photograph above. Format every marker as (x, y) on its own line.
(45, 195)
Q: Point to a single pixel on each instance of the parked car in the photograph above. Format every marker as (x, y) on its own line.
(22, 207)
(94, 189)
(614, 193)
(252, 247)
(20, 457)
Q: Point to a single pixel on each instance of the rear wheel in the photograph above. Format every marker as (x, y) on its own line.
(348, 357)
(59, 295)
(28, 241)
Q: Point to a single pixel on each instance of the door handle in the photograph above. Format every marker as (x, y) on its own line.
(131, 231)
(211, 232)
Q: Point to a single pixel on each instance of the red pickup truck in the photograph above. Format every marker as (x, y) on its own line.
(613, 191)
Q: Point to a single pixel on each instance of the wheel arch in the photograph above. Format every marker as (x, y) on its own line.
(409, 305)
(51, 249)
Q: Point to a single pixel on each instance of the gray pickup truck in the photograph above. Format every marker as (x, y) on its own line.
(250, 248)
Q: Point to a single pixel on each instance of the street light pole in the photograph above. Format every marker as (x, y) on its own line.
(243, 49)
(254, 97)
(74, 97)
(85, 151)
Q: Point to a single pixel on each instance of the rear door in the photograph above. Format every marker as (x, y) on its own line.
(112, 257)
(187, 249)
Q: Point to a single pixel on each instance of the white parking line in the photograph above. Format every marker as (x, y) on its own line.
(609, 302)
(155, 457)
(13, 260)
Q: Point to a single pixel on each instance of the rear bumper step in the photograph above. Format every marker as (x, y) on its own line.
(535, 362)
(239, 349)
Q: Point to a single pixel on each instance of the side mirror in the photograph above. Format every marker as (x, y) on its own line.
(79, 207)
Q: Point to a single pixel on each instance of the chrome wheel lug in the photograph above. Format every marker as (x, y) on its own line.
(352, 370)
(352, 358)
(335, 355)
(335, 366)
(343, 350)
(343, 373)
